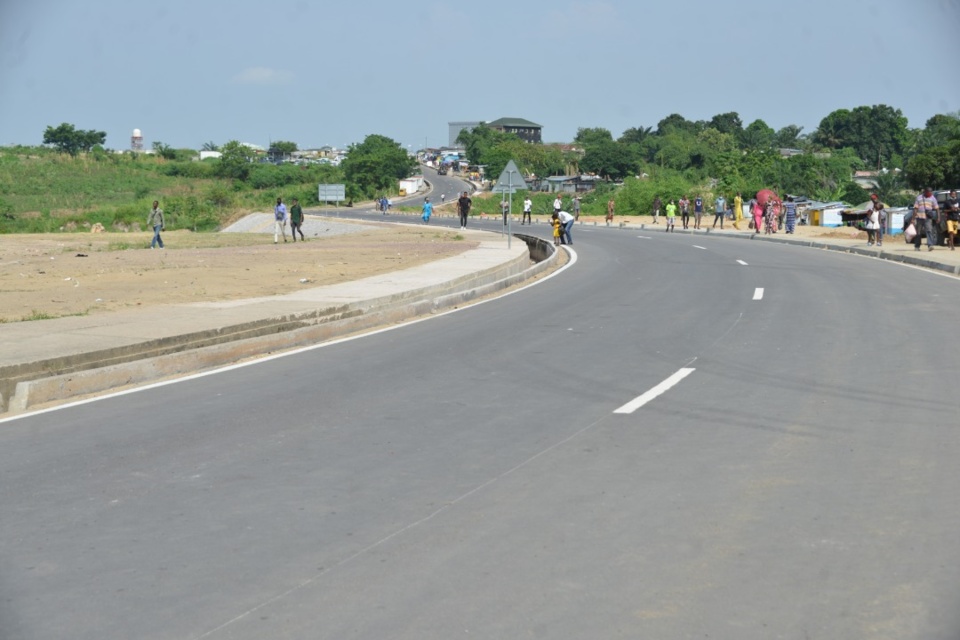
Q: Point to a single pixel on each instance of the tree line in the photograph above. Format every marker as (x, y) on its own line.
(732, 157)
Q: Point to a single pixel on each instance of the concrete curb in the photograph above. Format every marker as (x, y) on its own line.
(147, 362)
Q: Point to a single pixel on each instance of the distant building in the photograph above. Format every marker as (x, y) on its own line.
(136, 141)
(457, 127)
(524, 129)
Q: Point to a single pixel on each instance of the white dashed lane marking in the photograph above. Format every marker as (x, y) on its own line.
(658, 390)
(696, 246)
(743, 263)
(758, 293)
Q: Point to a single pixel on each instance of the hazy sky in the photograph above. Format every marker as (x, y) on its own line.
(332, 72)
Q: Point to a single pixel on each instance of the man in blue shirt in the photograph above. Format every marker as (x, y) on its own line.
(427, 210)
(697, 211)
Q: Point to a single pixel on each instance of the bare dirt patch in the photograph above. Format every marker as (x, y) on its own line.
(53, 275)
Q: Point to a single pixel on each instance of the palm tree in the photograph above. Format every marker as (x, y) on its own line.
(210, 146)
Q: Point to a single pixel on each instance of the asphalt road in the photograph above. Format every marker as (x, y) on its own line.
(503, 472)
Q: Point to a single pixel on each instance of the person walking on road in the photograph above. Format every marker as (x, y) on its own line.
(757, 212)
(527, 211)
(576, 207)
(155, 222)
(790, 214)
(685, 212)
(427, 211)
(463, 208)
(611, 204)
(951, 209)
(657, 203)
(872, 222)
(697, 211)
(279, 221)
(925, 210)
(737, 211)
(721, 210)
(296, 220)
(671, 216)
(567, 220)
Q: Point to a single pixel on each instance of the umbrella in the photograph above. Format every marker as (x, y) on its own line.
(766, 194)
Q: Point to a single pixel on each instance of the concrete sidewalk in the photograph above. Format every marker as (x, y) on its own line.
(53, 360)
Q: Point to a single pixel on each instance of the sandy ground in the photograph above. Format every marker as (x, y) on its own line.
(54, 275)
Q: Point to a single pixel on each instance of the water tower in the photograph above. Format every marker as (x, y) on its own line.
(136, 141)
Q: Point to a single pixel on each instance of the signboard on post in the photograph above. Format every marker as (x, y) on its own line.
(331, 193)
(510, 180)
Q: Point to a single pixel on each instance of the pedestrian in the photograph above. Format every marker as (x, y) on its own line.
(427, 211)
(527, 211)
(576, 207)
(155, 222)
(443, 198)
(757, 211)
(671, 215)
(790, 214)
(925, 210)
(279, 221)
(951, 209)
(505, 210)
(657, 203)
(685, 212)
(737, 211)
(697, 211)
(555, 223)
(610, 208)
(872, 221)
(296, 220)
(463, 208)
(567, 220)
(557, 204)
(720, 212)
(769, 218)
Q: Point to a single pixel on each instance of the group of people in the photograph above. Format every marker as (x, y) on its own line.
(280, 218)
(926, 215)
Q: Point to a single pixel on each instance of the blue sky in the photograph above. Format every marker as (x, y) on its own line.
(321, 72)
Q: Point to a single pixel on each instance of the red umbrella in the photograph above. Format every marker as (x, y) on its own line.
(767, 194)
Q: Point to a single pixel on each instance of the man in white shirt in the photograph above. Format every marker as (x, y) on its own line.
(566, 222)
(527, 210)
(557, 204)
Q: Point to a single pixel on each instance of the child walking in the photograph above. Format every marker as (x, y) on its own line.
(555, 221)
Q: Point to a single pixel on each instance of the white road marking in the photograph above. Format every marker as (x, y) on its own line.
(743, 263)
(758, 293)
(645, 237)
(658, 390)
(696, 246)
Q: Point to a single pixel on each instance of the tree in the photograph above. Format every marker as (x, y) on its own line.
(591, 136)
(875, 133)
(68, 139)
(235, 159)
(937, 166)
(727, 123)
(677, 121)
(283, 147)
(758, 135)
(210, 146)
(165, 151)
(635, 135)
(609, 159)
(939, 130)
(376, 164)
(788, 137)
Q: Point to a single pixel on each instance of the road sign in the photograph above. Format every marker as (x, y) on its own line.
(510, 180)
(331, 193)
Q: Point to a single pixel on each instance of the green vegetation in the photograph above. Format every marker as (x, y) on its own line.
(75, 186)
(721, 155)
